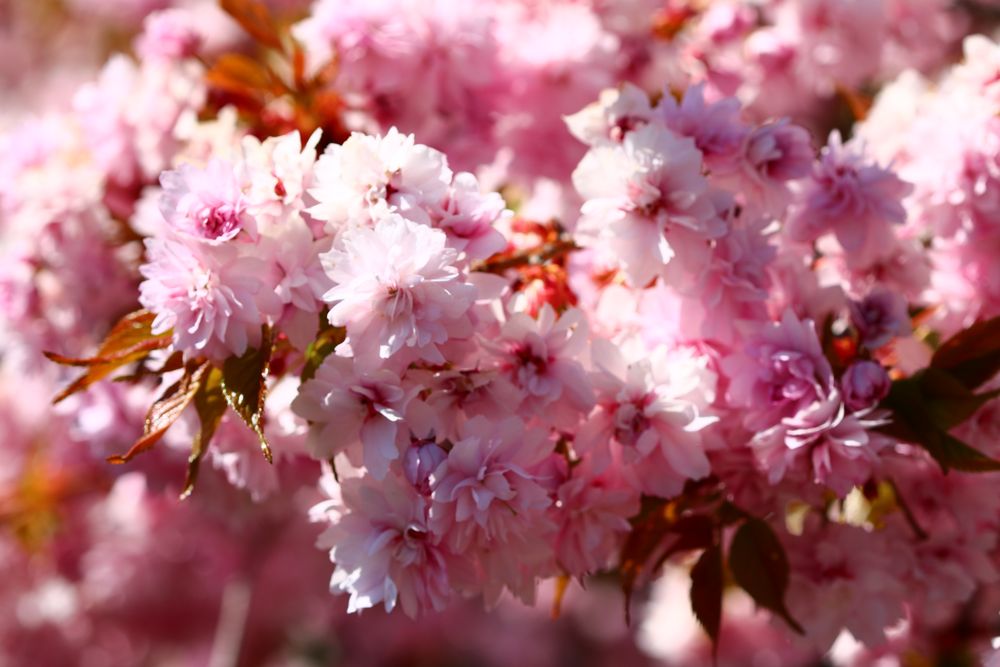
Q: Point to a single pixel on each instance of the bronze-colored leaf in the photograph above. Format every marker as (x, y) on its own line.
(973, 354)
(923, 419)
(211, 405)
(693, 531)
(166, 410)
(707, 584)
(244, 385)
(255, 18)
(949, 402)
(130, 340)
(759, 565)
(648, 545)
(241, 75)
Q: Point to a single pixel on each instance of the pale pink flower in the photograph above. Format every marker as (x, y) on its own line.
(488, 489)
(716, 127)
(616, 113)
(733, 288)
(279, 170)
(366, 173)
(648, 202)
(853, 198)
(429, 67)
(397, 287)
(384, 548)
(456, 395)
(844, 577)
(169, 34)
(212, 298)
(770, 157)
(298, 275)
(206, 204)
(646, 416)
(347, 407)
(420, 461)
(556, 58)
(593, 513)
(541, 358)
(470, 217)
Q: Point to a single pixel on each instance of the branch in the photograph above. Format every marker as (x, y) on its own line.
(536, 256)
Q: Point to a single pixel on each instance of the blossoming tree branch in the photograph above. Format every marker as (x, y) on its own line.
(516, 293)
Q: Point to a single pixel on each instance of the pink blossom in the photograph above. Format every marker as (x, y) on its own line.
(427, 67)
(843, 577)
(614, 115)
(795, 410)
(384, 548)
(419, 463)
(168, 34)
(207, 204)
(647, 201)
(367, 173)
(864, 384)
(470, 217)
(541, 357)
(645, 412)
(489, 472)
(592, 512)
(716, 127)
(348, 407)
(212, 298)
(855, 199)
(771, 157)
(397, 287)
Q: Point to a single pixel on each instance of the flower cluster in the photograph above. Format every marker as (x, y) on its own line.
(486, 298)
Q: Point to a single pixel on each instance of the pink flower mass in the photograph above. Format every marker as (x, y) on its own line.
(506, 332)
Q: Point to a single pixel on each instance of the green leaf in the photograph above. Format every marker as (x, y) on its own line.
(326, 342)
(973, 354)
(706, 592)
(165, 411)
(759, 565)
(130, 340)
(210, 403)
(244, 385)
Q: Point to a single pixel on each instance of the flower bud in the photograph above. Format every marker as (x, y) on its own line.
(419, 462)
(864, 384)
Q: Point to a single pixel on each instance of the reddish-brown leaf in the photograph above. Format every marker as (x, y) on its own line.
(254, 17)
(244, 384)
(972, 355)
(657, 534)
(241, 75)
(707, 585)
(130, 340)
(759, 565)
(925, 406)
(165, 411)
(211, 406)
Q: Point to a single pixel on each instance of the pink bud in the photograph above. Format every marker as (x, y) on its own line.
(864, 384)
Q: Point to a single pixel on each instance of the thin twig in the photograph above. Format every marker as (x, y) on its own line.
(531, 257)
